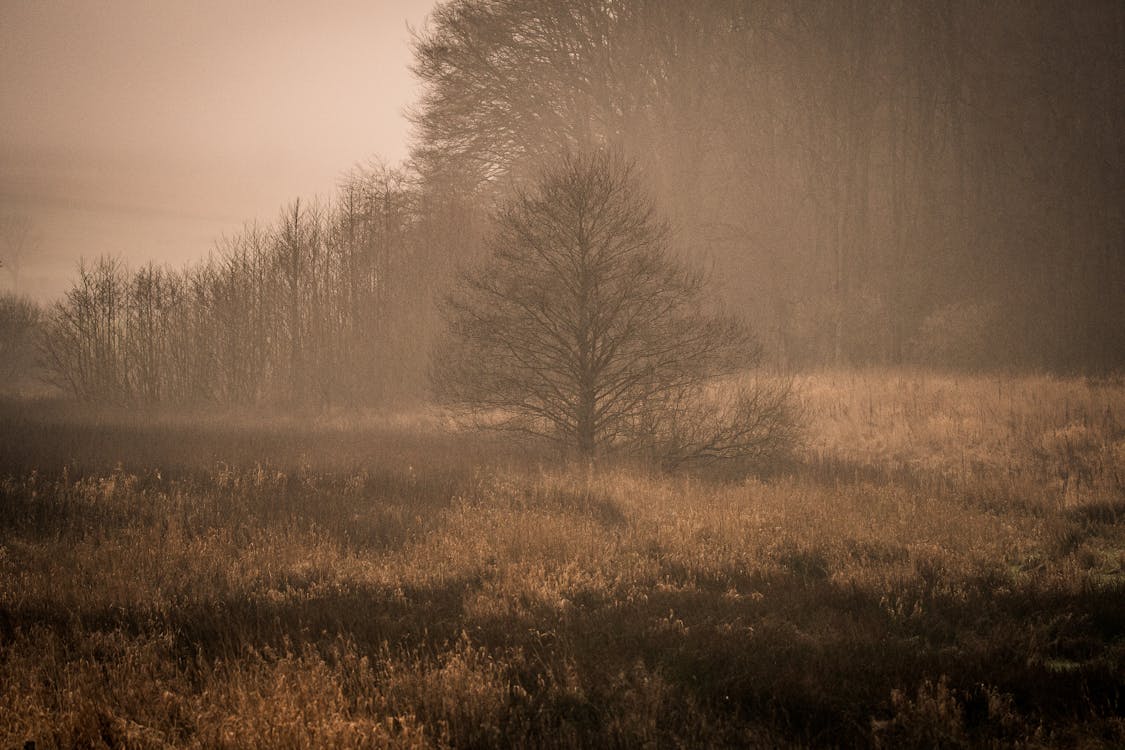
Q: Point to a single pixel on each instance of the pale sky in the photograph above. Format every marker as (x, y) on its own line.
(147, 129)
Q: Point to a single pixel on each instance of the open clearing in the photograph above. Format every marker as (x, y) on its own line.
(944, 563)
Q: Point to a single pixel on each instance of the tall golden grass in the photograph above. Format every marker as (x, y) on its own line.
(942, 564)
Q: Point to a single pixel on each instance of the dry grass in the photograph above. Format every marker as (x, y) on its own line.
(943, 565)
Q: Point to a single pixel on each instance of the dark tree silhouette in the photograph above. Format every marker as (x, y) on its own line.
(581, 327)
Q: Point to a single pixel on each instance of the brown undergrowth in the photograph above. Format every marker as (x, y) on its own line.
(943, 565)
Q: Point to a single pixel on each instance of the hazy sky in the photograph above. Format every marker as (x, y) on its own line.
(148, 128)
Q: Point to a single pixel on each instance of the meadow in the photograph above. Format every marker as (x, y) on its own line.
(941, 564)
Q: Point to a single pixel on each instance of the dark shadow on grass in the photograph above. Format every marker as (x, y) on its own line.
(585, 503)
(224, 627)
(48, 436)
(381, 509)
(812, 659)
(819, 660)
(1109, 512)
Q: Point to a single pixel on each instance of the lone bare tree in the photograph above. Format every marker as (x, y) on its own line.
(582, 328)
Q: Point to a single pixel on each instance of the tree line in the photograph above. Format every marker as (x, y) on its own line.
(876, 181)
(296, 312)
(870, 181)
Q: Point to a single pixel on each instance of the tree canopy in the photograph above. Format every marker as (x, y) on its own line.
(857, 170)
(580, 325)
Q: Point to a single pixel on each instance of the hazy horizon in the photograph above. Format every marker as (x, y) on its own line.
(149, 131)
(708, 373)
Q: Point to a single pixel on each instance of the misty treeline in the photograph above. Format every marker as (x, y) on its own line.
(874, 181)
(870, 182)
(314, 309)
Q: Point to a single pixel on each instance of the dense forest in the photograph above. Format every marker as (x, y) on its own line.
(868, 182)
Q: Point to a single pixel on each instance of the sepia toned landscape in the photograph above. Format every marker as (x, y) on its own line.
(716, 374)
(941, 566)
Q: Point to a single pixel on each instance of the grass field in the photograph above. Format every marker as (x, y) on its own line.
(943, 564)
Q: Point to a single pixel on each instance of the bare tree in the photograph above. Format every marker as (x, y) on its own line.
(85, 338)
(329, 304)
(581, 327)
(18, 238)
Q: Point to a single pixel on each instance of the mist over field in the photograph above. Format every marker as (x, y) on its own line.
(626, 373)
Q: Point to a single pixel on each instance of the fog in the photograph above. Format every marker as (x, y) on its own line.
(562, 373)
(865, 183)
(148, 130)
